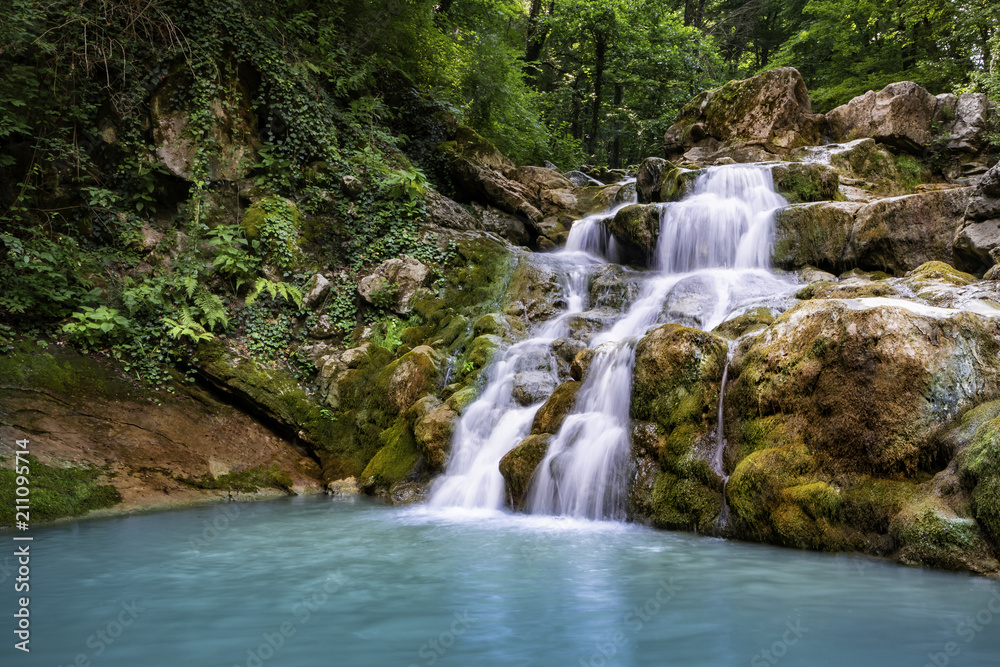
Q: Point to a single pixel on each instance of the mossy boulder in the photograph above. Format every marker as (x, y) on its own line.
(277, 223)
(636, 228)
(814, 234)
(771, 110)
(754, 319)
(519, 464)
(410, 377)
(861, 162)
(676, 388)
(979, 465)
(801, 182)
(929, 532)
(395, 461)
(866, 384)
(937, 272)
(550, 416)
(433, 432)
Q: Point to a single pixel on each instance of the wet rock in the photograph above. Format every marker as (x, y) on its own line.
(566, 349)
(818, 367)
(770, 111)
(636, 228)
(343, 487)
(647, 179)
(806, 182)
(492, 323)
(551, 415)
(433, 433)
(614, 288)
(411, 376)
(814, 234)
(531, 387)
(581, 362)
(899, 115)
(862, 161)
(394, 283)
(519, 464)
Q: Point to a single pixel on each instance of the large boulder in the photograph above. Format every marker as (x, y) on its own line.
(899, 234)
(447, 213)
(977, 242)
(814, 235)
(479, 171)
(806, 182)
(519, 464)
(771, 111)
(393, 283)
(899, 115)
(984, 200)
(963, 121)
(866, 383)
(636, 229)
(861, 162)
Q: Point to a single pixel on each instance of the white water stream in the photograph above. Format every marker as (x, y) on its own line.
(712, 262)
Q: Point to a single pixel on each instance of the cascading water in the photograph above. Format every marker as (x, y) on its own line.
(494, 424)
(713, 252)
(712, 262)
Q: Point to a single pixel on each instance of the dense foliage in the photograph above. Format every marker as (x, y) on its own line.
(320, 92)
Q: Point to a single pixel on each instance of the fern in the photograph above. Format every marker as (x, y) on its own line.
(213, 311)
(286, 291)
(186, 326)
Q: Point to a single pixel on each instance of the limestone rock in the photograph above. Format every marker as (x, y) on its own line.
(433, 433)
(899, 115)
(770, 111)
(447, 213)
(814, 234)
(318, 288)
(411, 376)
(550, 416)
(806, 182)
(901, 233)
(343, 487)
(984, 201)
(976, 244)
(647, 179)
(963, 121)
(636, 228)
(504, 225)
(395, 282)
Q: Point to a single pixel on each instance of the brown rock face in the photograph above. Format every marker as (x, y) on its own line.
(899, 115)
(771, 111)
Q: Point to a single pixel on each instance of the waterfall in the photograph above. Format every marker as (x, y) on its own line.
(711, 263)
(714, 244)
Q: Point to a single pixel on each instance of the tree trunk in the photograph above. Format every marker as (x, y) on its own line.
(616, 131)
(600, 51)
(537, 34)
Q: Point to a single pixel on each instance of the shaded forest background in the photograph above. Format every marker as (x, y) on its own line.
(362, 88)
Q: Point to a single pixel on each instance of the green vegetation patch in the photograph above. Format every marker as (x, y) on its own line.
(57, 492)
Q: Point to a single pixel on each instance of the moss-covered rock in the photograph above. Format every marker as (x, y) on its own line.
(814, 234)
(395, 461)
(806, 182)
(433, 432)
(680, 503)
(979, 465)
(550, 416)
(771, 110)
(931, 533)
(899, 234)
(519, 464)
(754, 319)
(867, 384)
(636, 228)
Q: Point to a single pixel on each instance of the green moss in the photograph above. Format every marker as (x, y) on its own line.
(870, 505)
(395, 460)
(248, 480)
(519, 464)
(803, 182)
(63, 371)
(929, 533)
(56, 492)
(684, 504)
(938, 271)
(752, 320)
(979, 465)
(550, 416)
